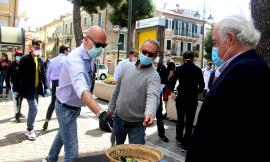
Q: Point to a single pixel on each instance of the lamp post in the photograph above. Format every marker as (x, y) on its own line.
(129, 25)
(210, 17)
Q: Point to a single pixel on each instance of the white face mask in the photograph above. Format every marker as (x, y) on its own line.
(37, 53)
(157, 60)
(134, 59)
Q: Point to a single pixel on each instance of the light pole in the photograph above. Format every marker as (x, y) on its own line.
(129, 25)
(210, 17)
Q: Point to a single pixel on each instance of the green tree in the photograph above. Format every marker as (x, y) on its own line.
(90, 6)
(141, 9)
(208, 44)
(260, 12)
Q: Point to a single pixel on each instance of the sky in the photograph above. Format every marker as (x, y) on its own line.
(219, 9)
(41, 12)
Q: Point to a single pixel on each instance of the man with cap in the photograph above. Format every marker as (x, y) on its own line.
(32, 83)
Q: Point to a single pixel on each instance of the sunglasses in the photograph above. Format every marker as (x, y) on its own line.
(98, 45)
(150, 54)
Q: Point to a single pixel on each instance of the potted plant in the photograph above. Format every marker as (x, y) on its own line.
(104, 89)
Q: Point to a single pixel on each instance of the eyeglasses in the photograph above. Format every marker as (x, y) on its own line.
(97, 45)
(150, 54)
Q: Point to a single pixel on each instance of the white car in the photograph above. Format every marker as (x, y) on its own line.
(102, 71)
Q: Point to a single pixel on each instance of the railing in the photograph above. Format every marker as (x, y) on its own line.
(187, 34)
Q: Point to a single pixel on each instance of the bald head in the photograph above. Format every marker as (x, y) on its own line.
(95, 36)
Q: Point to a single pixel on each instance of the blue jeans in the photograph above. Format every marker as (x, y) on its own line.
(67, 133)
(32, 113)
(134, 130)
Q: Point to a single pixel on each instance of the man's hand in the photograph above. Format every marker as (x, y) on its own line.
(104, 122)
(148, 120)
(47, 93)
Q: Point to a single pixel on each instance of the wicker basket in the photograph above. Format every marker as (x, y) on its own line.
(141, 153)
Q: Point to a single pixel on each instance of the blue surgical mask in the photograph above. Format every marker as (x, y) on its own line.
(145, 60)
(18, 58)
(94, 52)
(166, 58)
(215, 57)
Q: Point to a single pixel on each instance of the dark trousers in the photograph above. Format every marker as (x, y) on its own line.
(186, 110)
(51, 106)
(159, 116)
(18, 102)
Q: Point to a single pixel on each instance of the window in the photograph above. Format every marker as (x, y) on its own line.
(169, 24)
(92, 20)
(199, 29)
(181, 48)
(100, 66)
(70, 28)
(178, 27)
(169, 45)
(66, 28)
(99, 19)
(189, 45)
(197, 48)
(122, 41)
(85, 21)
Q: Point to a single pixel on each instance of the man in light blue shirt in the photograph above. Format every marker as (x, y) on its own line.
(53, 73)
(74, 90)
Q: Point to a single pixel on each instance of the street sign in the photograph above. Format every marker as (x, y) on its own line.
(109, 62)
(155, 21)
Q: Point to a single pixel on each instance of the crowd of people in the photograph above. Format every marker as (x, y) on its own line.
(233, 115)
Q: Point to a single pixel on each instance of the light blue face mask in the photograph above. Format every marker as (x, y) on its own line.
(215, 58)
(18, 58)
(166, 58)
(145, 60)
(94, 52)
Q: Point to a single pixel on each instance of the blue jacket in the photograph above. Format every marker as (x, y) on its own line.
(233, 122)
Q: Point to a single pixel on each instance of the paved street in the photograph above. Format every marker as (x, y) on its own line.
(15, 147)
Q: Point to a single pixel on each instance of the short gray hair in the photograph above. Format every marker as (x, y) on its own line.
(152, 41)
(244, 30)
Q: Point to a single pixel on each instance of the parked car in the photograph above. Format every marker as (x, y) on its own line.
(102, 71)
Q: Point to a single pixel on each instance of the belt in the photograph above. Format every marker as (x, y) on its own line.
(68, 106)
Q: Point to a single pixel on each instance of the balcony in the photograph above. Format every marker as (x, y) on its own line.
(65, 36)
(186, 35)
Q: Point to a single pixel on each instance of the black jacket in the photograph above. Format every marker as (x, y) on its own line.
(234, 118)
(27, 74)
(190, 81)
(12, 76)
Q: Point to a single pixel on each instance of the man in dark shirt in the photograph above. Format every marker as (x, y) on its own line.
(190, 84)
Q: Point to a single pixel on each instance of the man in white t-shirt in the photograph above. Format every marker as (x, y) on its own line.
(133, 57)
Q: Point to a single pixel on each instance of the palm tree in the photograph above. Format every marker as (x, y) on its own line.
(260, 12)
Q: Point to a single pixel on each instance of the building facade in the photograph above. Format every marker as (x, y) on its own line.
(183, 32)
(8, 12)
(61, 31)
